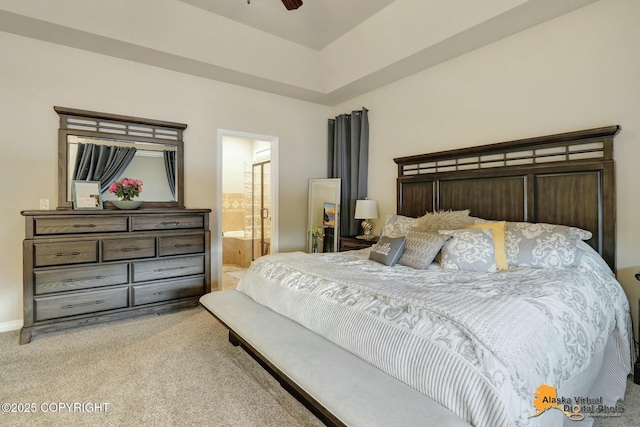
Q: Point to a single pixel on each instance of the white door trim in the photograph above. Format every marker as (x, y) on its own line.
(273, 140)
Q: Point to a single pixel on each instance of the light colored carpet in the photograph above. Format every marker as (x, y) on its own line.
(630, 417)
(238, 274)
(172, 370)
(231, 275)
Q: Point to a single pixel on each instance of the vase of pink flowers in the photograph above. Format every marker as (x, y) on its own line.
(126, 190)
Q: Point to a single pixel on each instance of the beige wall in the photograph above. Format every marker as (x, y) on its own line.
(579, 71)
(36, 76)
(235, 152)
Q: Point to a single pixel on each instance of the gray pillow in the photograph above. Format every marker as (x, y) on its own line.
(388, 250)
(397, 225)
(422, 248)
(469, 249)
(541, 245)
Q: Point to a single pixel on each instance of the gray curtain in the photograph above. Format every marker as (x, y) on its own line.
(348, 159)
(103, 163)
(170, 168)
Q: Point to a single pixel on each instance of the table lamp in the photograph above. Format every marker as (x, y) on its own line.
(366, 210)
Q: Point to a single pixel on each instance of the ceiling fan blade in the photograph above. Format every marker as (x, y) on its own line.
(292, 4)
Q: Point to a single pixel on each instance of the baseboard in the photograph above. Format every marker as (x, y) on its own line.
(10, 326)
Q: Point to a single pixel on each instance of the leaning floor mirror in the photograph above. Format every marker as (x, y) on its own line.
(323, 226)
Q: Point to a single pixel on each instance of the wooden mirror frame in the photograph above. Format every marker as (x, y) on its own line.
(104, 125)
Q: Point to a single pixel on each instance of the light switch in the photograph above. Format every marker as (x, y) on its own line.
(44, 204)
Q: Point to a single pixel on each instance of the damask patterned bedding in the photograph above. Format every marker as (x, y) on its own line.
(479, 343)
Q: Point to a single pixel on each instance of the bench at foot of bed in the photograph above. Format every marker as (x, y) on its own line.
(338, 387)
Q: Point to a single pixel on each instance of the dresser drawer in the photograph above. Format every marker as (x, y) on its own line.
(76, 278)
(72, 304)
(166, 268)
(167, 222)
(61, 253)
(180, 245)
(132, 248)
(45, 226)
(156, 292)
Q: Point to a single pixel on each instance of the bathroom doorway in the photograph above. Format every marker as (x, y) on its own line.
(247, 214)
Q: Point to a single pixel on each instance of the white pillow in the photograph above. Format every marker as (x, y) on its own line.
(443, 220)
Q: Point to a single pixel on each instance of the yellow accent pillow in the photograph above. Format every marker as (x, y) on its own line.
(499, 232)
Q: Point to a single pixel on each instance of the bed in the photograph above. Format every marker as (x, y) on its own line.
(462, 341)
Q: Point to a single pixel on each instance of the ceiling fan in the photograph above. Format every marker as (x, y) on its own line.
(292, 4)
(289, 4)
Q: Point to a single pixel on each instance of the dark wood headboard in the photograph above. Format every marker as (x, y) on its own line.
(567, 179)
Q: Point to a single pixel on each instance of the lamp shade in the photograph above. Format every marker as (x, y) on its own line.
(366, 209)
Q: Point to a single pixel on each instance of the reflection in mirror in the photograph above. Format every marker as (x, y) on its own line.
(323, 227)
(106, 147)
(107, 160)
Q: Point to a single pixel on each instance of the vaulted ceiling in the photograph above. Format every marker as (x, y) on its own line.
(327, 51)
(316, 24)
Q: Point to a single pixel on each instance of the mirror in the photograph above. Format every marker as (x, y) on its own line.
(146, 165)
(106, 147)
(323, 226)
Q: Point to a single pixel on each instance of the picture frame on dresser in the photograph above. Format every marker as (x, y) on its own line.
(86, 195)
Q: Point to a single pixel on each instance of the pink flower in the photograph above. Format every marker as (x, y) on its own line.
(126, 188)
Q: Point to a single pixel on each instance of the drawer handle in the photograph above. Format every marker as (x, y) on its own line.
(68, 254)
(183, 245)
(84, 225)
(170, 223)
(130, 249)
(80, 279)
(182, 267)
(66, 307)
(176, 291)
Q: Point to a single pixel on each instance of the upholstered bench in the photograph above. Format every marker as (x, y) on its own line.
(341, 388)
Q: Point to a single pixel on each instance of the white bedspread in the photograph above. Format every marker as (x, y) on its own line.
(478, 343)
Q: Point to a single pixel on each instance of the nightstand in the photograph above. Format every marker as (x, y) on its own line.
(353, 243)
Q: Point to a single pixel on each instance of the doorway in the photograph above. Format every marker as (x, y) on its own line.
(247, 203)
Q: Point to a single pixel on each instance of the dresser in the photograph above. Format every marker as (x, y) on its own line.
(85, 267)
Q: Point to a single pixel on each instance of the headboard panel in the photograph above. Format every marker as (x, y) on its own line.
(564, 179)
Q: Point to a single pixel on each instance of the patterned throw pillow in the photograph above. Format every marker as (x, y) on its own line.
(422, 248)
(499, 233)
(397, 225)
(388, 250)
(541, 245)
(469, 249)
